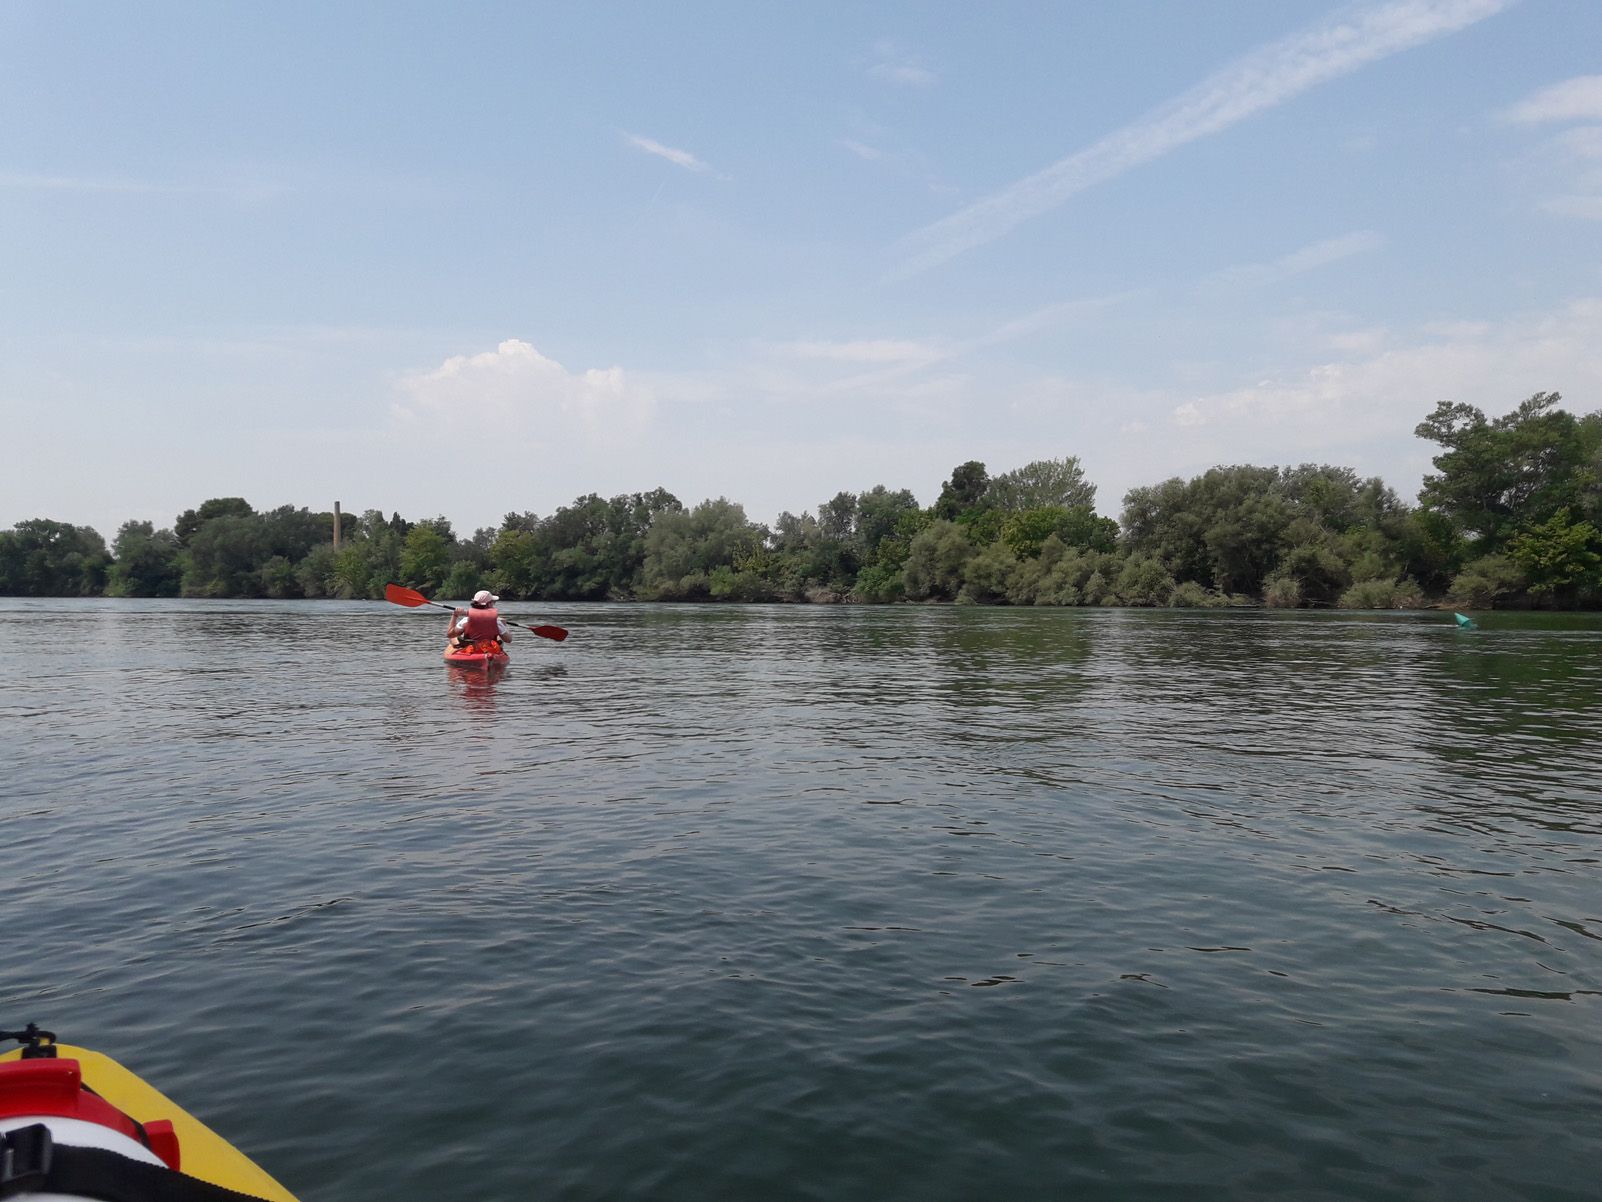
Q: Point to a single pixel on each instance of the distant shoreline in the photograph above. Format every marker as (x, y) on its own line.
(1512, 520)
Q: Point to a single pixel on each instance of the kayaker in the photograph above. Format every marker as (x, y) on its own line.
(479, 622)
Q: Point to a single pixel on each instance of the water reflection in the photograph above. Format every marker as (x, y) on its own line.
(476, 686)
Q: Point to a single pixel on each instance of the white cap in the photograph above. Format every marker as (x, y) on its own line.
(484, 597)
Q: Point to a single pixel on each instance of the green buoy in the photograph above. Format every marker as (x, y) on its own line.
(1464, 622)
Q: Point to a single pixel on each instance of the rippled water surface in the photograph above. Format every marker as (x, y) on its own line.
(824, 903)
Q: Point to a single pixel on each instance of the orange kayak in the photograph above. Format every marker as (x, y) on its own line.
(486, 653)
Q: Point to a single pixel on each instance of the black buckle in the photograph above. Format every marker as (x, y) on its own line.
(35, 1043)
(25, 1156)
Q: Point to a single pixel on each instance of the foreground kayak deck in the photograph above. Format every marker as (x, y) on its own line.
(477, 657)
(205, 1154)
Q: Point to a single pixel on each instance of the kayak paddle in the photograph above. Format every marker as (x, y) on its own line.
(411, 598)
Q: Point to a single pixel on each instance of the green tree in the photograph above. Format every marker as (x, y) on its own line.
(518, 561)
(464, 580)
(837, 516)
(812, 558)
(44, 558)
(1144, 581)
(683, 548)
(1320, 574)
(528, 521)
(936, 558)
(1487, 581)
(425, 559)
(315, 574)
(293, 532)
(1163, 521)
(1559, 557)
(224, 557)
(1045, 482)
(965, 490)
(191, 520)
(1495, 476)
(364, 565)
(595, 549)
(146, 562)
(879, 584)
(1247, 533)
(1336, 498)
(987, 577)
(1076, 576)
(878, 518)
(1229, 529)
(1427, 548)
(278, 579)
(1026, 531)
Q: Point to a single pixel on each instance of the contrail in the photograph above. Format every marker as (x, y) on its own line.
(1265, 77)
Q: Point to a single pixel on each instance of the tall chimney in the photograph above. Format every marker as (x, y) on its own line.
(336, 525)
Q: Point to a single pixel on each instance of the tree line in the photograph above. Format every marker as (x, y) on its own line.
(1510, 518)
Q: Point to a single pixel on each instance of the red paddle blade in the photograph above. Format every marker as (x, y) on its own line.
(404, 596)
(550, 632)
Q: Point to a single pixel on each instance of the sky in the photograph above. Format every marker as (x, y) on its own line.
(482, 258)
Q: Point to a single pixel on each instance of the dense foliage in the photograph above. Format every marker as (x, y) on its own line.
(1511, 516)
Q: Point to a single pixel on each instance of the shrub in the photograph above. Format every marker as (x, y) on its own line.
(1485, 581)
(1381, 594)
(878, 585)
(1283, 592)
(988, 575)
(1191, 595)
(935, 562)
(1096, 591)
(1319, 573)
(1144, 581)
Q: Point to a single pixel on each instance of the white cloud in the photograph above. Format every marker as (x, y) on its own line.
(1582, 143)
(862, 150)
(1458, 330)
(680, 158)
(1358, 342)
(1262, 79)
(1307, 258)
(1047, 317)
(1564, 173)
(514, 391)
(895, 65)
(1382, 396)
(36, 182)
(1578, 99)
(903, 162)
(867, 350)
(1331, 250)
(234, 184)
(1587, 208)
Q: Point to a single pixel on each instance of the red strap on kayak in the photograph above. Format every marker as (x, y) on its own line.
(55, 1089)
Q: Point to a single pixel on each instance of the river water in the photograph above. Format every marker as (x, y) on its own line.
(824, 903)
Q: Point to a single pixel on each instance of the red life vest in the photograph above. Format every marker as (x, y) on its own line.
(482, 624)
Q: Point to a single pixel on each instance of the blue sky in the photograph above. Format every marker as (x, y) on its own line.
(467, 259)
